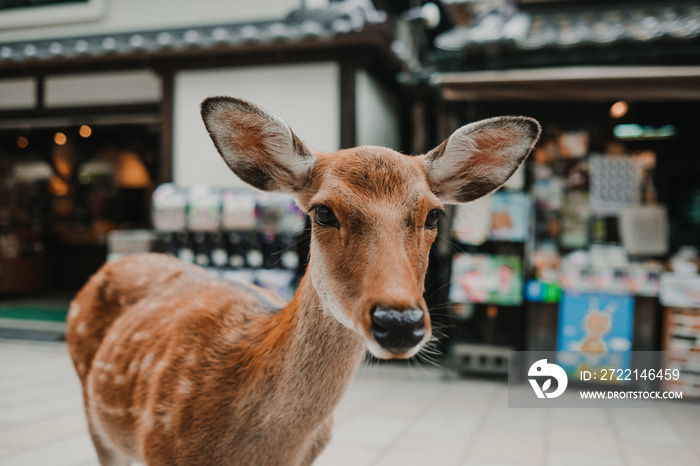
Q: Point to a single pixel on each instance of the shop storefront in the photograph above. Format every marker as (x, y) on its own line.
(97, 110)
(593, 244)
(602, 228)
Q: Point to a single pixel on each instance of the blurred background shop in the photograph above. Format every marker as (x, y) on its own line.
(98, 106)
(593, 244)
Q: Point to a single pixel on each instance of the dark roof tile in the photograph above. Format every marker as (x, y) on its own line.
(302, 24)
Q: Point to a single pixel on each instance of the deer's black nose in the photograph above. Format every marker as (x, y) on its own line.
(397, 331)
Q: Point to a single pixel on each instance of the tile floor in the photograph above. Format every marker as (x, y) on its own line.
(392, 415)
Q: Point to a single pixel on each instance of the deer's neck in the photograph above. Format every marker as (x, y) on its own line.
(322, 354)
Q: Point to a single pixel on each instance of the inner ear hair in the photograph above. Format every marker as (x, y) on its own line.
(480, 157)
(257, 146)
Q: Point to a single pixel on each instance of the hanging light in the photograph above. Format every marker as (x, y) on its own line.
(619, 109)
(85, 131)
(60, 139)
(22, 142)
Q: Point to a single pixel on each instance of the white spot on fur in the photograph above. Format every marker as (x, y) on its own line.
(91, 388)
(232, 335)
(147, 421)
(73, 310)
(81, 328)
(147, 361)
(119, 380)
(113, 411)
(184, 387)
(141, 336)
(104, 366)
(166, 420)
(133, 367)
(81, 368)
(191, 359)
(160, 367)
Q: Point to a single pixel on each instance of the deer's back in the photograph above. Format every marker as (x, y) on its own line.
(144, 334)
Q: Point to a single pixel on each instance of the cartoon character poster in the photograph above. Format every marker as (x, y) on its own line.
(595, 332)
(483, 278)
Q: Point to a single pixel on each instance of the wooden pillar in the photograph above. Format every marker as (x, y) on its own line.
(348, 105)
(165, 166)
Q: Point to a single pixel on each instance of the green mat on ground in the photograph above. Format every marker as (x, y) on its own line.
(32, 312)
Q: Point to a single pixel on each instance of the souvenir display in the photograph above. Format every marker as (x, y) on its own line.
(682, 342)
(471, 223)
(203, 209)
(575, 216)
(238, 210)
(542, 292)
(275, 213)
(169, 211)
(510, 216)
(548, 193)
(680, 290)
(615, 184)
(644, 230)
(573, 144)
(484, 278)
(546, 261)
(240, 234)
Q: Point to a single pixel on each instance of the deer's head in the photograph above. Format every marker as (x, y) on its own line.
(374, 211)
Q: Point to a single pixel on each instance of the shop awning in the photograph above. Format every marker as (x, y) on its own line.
(584, 83)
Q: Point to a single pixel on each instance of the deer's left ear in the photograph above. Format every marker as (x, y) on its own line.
(478, 158)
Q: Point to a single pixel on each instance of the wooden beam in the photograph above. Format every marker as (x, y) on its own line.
(67, 116)
(575, 83)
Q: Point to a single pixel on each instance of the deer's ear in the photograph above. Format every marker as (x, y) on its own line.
(258, 147)
(478, 158)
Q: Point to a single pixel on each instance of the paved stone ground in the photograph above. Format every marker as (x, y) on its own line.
(392, 415)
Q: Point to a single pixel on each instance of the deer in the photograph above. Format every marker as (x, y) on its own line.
(180, 367)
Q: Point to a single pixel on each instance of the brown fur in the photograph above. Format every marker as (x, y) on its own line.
(187, 381)
(179, 367)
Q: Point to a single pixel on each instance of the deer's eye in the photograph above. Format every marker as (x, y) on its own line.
(432, 220)
(325, 217)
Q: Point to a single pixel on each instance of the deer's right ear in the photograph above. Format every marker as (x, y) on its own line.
(259, 147)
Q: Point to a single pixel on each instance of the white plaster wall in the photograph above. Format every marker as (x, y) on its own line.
(113, 88)
(17, 93)
(305, 96)
(134, 15)
(377, 119)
